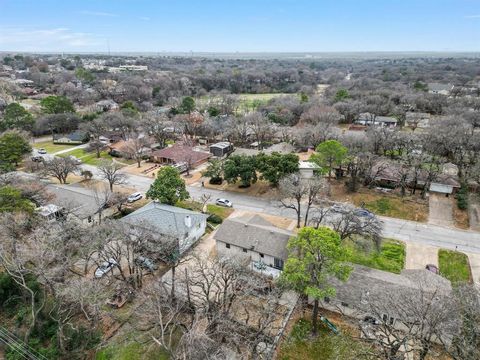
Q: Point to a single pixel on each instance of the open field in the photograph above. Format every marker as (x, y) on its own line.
(454, 266)
(51, 147)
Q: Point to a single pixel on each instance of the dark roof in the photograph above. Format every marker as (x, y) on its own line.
(255, 233)
(77, 135)
(181, 153)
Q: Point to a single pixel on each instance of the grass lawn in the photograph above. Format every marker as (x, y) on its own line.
(454, 266)
(301, 346)
(247, 102)
(51, 147)
(390, 258)
(89, 158)
(132, 351)
(220, 211)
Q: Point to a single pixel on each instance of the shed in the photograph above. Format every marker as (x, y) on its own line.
(441, 188)
(221, 149)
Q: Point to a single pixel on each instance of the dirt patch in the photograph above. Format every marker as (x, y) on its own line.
(474, 212)
(461, 218)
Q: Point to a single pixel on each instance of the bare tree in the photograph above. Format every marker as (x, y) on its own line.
(135, 147)
(60, 168)
(110, 171)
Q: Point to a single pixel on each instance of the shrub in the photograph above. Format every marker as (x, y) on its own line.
(214, 219)
(462, 198)
(216, 181)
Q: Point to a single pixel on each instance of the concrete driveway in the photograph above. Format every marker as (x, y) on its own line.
(419, 255)
(440, 210)
(474, 260)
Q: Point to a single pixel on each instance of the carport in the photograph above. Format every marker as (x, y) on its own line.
(441, 189)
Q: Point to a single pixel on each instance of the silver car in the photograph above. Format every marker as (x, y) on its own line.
(224, 202)
(105, 268)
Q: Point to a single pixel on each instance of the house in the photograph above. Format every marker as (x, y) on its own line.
(307, 169)
(106, 105)
(180, 153)
(367, 119)
(77, 137)
(252, 236)
(50, 212)
(368, 290)
(441, 89)
(221, 149)
(127, 149)
(186, 226)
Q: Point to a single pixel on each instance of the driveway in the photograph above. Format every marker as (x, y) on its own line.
(474, 260)
(441, 210)
(419, 255)
(474, 215)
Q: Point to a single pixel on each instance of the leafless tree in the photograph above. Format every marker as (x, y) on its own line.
(135, 147)
(261, 128)
(60, 168)
(110, 171)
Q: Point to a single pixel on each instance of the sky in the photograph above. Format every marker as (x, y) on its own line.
(239, 25)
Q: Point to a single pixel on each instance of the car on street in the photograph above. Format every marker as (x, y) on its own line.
(146, 263)
(42, 151)
(134, 197)
(364, 213)
(105, 268)
(339, 208)
(224, 202)
(432, 268)
(75, 159)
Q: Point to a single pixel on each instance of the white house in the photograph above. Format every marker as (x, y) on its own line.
(252, 236)
(441, 89)
(307, 169)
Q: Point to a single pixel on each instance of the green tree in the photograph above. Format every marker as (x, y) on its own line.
(314, 256)
(213, 111)
(168, 187)
(84, 75)
(13, 146)
(240, 167)
(341, 94)
(16, 117)
(129, 105)
(303, 97)
(329, 154)
(275, 166)
(56, 105)
(214, 171)
(11, 200)
(188, 105)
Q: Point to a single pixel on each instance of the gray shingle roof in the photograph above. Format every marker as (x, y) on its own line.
(254, 232)
(166, 219)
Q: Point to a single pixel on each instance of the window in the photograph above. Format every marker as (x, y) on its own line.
(244, 250)
(227, 246)
(261, 255)
(278, 264)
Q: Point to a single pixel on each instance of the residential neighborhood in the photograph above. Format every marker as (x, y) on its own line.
(203, 184)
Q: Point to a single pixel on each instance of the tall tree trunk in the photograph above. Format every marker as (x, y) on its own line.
(173, 282)
(315, 317)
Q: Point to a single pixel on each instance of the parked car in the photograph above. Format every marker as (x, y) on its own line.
(339, 208)
(42, 151)
(104, 268)
(146, 263)
(37, 158)
(75, 160)
(134, 197)
(364, 213)
(224, 202)
(432, 268)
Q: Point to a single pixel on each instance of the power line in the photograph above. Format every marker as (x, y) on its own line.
(18, 346)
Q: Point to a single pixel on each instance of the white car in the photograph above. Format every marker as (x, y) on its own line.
(105, 268)
(134, 197)
(42, 151)
(224, 202)
(75, 160)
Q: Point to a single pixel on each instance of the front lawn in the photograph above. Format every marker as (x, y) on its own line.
(50, 147)
(454, 266)
(299, 344)
(393, 206)
(212, 209)
(391, 256)
(89, 158)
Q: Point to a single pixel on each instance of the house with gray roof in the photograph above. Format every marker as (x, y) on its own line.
(375, 293)
(252, 236)
(184, 225)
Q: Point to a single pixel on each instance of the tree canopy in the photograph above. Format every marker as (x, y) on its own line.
(314, 256)
(13, 146)
(240, 168)
(168, 187)
(329, 154)
(275, 166)
(56, 105)
(16, 117)
(11, 200)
